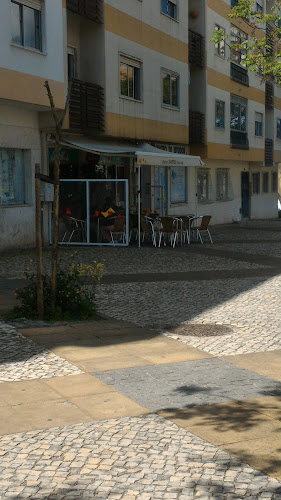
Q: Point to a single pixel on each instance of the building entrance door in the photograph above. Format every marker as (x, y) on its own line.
(245, 194)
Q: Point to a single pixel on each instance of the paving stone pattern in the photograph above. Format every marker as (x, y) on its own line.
(179, 385)
(22, 359)
(142, 458)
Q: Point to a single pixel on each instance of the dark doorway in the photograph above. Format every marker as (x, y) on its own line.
(245, 194)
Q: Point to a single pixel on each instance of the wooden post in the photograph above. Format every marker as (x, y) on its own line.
(40, 292)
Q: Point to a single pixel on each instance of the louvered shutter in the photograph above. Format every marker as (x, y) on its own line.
(34, 4)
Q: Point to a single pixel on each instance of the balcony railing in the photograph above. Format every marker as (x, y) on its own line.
(196, 127)
(86, 106)
(269, 95)
(239, 140)
(239, 74)
(91, 9)
(268, 152)
(196, 49)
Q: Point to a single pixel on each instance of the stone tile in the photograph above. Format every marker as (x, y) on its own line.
(106, 363)
(106, 406)
(77, 385)
(190, 354)
(27, 391)
(264, 363)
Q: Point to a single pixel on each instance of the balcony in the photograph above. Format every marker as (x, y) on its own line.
(239, 74)
(269, 95)
(196, 49)
(91, 9)
(268, 152)
(86, 107)
(196, 127)
(239, 140)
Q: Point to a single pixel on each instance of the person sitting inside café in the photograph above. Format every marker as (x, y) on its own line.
(109, 212)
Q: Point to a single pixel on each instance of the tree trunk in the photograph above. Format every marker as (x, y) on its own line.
(40, 291)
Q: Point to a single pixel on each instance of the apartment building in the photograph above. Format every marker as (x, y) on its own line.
(234, 120)
(141, 70)
(30, 34)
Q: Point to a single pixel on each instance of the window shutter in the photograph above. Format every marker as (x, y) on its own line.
(34, 4)
(131, 62)
(173, 1)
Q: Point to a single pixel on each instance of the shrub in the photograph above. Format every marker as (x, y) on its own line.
(74, 300)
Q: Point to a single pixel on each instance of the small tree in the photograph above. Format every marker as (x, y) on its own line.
(58, 121)
(262, 50)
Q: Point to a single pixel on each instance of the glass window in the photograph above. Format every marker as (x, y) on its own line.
(278, 130)
(238, 113)
(169, 7)
(170, 89)
(237, 37)
(256, 183)
(11, 177)
(26, 25)
(234, 3)
(219, 120)
(203, 185)
(259, 7)
(258, 124)
(222, 184)
(71, 69)
(178, 182)
(274, 182)
(220, 46)
(130, 79)
(265, 182)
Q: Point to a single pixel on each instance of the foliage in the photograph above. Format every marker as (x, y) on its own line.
(262, 50)
(74, 300)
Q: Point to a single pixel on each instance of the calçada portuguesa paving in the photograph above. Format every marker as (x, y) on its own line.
(175, 395)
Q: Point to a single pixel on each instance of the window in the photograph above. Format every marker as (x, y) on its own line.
(170, 89)
(130, 78)
(238, 113)
(219, 120)
(234, 3)
(71, 62)
(274, 182)
(237, 37)
(178, 184)
(220, 46)
(26, 24)
(258, 124)
(265, 182)
(169, 7)
(256, 183)
(203, 187)
(222, 184)
(278, 131)
(259, 7)
(11, 177)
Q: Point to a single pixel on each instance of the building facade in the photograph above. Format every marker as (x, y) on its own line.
(140, 71)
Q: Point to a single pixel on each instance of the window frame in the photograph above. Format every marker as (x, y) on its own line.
(177, 202)
(135, 64)
(166, 13)
(170, 74)
(237, 100)
(204, 173)
(38, 32)
(265, 182)
(256, 188)
(226, 196)
(219, 101)
(218, 44)
(261, 124)
(278, 128)
(239, 52)
(15, 179)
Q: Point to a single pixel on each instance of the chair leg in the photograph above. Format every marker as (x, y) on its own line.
(174, 239)
(112, 239)
(210, 236)
(198, 233)
(187, 237)
(160, 238)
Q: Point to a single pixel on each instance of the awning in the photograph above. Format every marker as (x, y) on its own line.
(144, 153)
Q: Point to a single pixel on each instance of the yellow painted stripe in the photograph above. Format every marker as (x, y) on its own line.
(22, 87)
(225, 152)
(277, 102)
(277, 156)
(63, 4)
(224, 82)
(128, 27)
(131, 127)
(221, 8)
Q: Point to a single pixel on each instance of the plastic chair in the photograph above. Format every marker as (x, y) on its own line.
(168, 228)
(205, 220)
(73, 226)
(147, 228)
(119, 230)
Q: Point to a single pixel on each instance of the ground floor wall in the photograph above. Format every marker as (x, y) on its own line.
(19, 151)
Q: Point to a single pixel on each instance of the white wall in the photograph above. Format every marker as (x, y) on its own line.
(19, 130)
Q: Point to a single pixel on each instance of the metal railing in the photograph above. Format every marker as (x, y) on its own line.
(268, 152)
(196, 127)
(269, 95)
(239, 74)
(196, 49)
(91, 9)
(239, 140)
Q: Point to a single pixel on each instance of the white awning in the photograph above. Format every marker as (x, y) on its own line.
(144, 153)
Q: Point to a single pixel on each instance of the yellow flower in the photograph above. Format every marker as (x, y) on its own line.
(31, 261)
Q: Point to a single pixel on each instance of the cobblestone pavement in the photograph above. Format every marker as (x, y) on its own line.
(249, 307)
(22, 359)
(142, 458)
(187, 384)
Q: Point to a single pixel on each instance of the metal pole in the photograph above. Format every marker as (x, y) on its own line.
(196, 196)
(40, 297)
(139, 206)
(88, 210)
